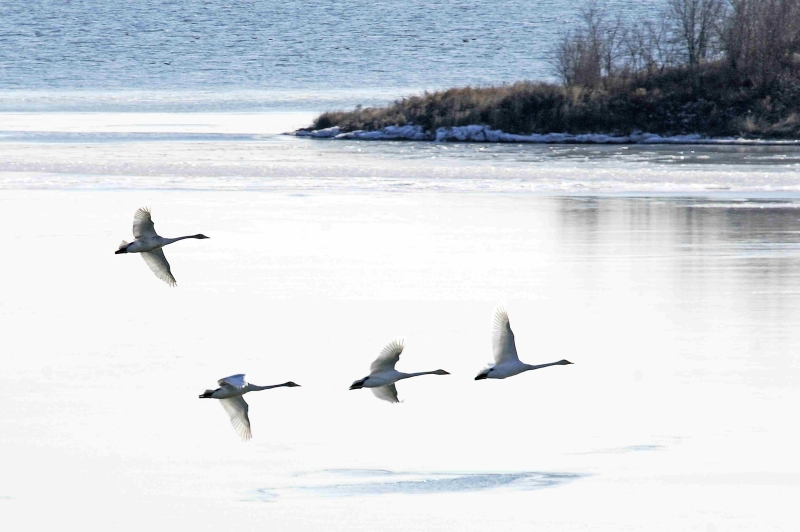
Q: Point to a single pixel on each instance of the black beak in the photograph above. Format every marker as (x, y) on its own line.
(481, 376)
(117, 252)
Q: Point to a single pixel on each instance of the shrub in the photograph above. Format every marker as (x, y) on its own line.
(701, 67)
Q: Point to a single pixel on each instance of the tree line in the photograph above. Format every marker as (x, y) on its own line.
(758, 41)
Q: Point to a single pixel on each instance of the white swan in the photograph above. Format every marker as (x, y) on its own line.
(148, 244)
(230, 392)
(506, 361)
(382, 374)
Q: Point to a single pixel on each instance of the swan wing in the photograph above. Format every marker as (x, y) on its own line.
(237, 408)
(142, 224)
(388, 357)
(158, 265)
(387, 393)
(235, 381)
(503, 346)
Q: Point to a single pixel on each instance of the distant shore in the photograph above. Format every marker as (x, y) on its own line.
(709, 108)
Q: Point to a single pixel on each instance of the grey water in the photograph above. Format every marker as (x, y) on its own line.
(199, 51)
(193, 57)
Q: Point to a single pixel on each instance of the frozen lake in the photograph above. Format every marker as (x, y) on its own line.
(668, 275)
(246, 151)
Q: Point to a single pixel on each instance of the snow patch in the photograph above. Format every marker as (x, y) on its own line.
(318, 133)
(477, 133)
(390, 133)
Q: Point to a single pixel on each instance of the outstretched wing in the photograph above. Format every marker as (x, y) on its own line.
(158, 265)
(388, 357)
(503, 345)
(236, 381)
(387, 393)
(142, 224)
(237, 408)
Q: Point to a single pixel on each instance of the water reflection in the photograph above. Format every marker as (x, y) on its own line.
(756, 241)
(718, 279)
(362, 482)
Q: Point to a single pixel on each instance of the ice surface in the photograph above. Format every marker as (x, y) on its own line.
(246, 151)
(668, 274)
(680, 321)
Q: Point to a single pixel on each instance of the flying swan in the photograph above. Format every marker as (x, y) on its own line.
(230, 392)
(382, 374)
(506, 361)
(148, 244)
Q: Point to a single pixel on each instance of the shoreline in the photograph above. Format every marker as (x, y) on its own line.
(481, 134)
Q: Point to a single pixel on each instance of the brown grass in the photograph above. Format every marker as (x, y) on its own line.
(713, 102)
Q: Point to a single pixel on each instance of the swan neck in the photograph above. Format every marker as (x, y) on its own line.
(255, 387)
(529, 367)
(407, 375)
(171, 240)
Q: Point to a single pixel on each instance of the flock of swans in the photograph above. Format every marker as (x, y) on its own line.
(382, 373)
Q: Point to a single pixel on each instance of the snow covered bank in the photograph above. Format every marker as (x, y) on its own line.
(477, 133)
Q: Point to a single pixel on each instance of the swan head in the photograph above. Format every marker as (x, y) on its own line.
(291, 384)
(441, 372)
(201, 236)
(563, 362)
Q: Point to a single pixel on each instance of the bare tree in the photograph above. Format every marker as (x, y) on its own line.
(761, 39)
(695, 23)
(588, 53)
(614, 49)
(578, 59)
(567, 59)
(648, 48)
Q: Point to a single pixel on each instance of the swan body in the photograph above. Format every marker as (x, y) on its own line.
(230, 392)
(506, 362)
(148, 243)
(382, 374)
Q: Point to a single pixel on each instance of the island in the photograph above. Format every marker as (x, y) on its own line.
(704, 71)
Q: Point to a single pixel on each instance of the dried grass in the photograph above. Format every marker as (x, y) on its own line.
(666, 103)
